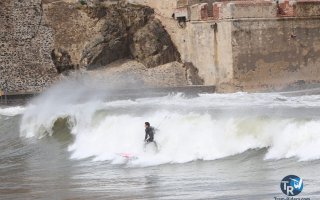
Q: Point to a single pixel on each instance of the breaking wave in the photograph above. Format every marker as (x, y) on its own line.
(207, 127)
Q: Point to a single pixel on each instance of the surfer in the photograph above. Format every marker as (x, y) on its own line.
(149, 137)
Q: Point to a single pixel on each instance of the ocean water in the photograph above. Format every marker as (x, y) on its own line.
(213, 146)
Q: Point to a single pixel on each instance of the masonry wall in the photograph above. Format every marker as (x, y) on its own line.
(25, 45)
(209, 49)
(275, 53)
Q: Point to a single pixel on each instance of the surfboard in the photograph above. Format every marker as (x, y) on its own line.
(128, 156)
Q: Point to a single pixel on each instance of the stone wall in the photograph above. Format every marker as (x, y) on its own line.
(247, 9)
(270, 54)
(25, 46)
(209, 50)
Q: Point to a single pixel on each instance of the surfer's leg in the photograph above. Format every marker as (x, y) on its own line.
(145, 145)
(156, 145)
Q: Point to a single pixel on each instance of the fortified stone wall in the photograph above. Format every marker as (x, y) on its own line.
(271, 54)
(209, 50)
(272, 46)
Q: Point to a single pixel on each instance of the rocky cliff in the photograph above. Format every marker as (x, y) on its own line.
(43, 40)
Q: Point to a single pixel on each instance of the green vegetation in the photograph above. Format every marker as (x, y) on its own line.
(83, 2)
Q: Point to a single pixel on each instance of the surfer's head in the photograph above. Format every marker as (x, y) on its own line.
(147, 124)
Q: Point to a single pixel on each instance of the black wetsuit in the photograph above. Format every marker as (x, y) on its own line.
(150, 133)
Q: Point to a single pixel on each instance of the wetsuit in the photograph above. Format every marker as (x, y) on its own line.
(149, 134)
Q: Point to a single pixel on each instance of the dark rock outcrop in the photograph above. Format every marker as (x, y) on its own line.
(110, 44)
(152, 45)
(128, 32)
(62, 61)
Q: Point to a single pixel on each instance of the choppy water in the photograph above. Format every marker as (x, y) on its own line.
(215, 146)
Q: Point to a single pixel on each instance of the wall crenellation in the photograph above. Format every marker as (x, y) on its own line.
(236, 9)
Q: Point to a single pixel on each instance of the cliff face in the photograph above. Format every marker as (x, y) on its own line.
(94, 36)
(44, 40)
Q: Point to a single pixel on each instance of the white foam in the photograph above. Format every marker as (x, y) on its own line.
(184, 138)
(185, 133)
(12, 111)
